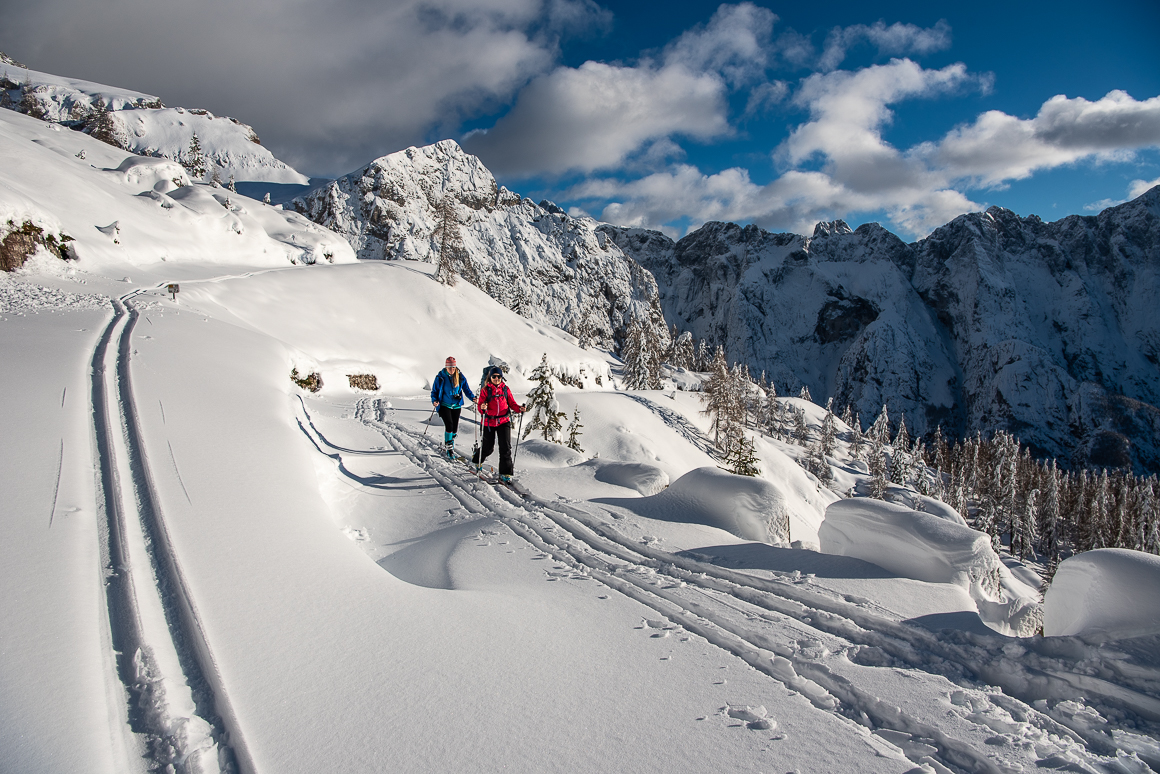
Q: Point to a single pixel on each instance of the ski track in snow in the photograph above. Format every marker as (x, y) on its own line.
(161, 654)
(786, 630)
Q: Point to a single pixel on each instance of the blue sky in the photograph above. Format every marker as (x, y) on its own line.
(1015, 59)
(661, 114)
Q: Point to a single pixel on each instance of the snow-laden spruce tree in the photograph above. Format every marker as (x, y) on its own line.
(856, 438)
(681, 351)
(816, 464)
(719, 400)
(194, 159)
(636, 357)
(574, 433)
(703, 359)
(543, 406)
(829, 436)
(771, 413)
(877, 466)
(801, 431)
(879, 432)
(741, 458)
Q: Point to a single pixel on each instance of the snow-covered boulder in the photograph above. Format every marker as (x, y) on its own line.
(1111, 592)
(910, 543)
(750, 508)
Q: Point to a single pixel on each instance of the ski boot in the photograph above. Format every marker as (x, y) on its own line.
(449, 450)
(505, 479)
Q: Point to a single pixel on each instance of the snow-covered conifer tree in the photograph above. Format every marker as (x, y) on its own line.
(682, 351)
(801, 431)
(771, 413)
(877, 465)
(100, 126)
(574, 431)
(1048, 515)
(805, 394)
(717, 397)
(902, 438)
(542, 405)
(879, 432)
(194, 161)
(829, 435)
(856, 437)
(818, 465)
(741, 458)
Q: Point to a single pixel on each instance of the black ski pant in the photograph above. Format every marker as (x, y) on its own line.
(450, 417)
(504, 434)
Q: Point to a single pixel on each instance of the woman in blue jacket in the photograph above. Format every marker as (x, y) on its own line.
(447, 396)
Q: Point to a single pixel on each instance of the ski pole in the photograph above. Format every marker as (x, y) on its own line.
(475, 445)
(516, 451)
(428, 427)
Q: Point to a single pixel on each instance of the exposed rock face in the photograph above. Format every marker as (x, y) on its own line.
(1048, 330)
(532, 258)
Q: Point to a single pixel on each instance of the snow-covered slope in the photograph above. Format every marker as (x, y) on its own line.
(140, 123)
(1047, 330)
(533, 259)
(100, 206)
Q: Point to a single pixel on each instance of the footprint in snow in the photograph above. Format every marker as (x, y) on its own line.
(755, 718)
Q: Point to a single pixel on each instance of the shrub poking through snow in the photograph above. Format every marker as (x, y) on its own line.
(313, 382)
(368, 382)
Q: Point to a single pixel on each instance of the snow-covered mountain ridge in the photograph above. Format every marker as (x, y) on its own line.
(141, 124)
(532, 258)
(994, 321)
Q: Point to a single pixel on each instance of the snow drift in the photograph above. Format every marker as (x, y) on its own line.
(911, 544)
(1099, 593)
(750, 508)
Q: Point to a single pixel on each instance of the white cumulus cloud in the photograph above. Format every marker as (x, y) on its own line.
(594, 116)
(327, 86)
(600, 116)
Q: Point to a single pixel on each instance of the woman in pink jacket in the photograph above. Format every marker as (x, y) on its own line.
(496, 405)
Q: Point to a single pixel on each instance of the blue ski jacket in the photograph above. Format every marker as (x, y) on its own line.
(447, 393)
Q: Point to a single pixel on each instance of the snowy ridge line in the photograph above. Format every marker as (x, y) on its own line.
(151, 639)
(864, 713)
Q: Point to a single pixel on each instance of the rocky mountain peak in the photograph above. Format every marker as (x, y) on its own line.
(534, 259)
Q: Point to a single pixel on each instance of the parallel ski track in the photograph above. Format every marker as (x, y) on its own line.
(579, 540)
(115, 416)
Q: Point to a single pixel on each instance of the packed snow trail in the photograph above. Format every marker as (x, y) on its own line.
(765, 621)
(176, 700)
